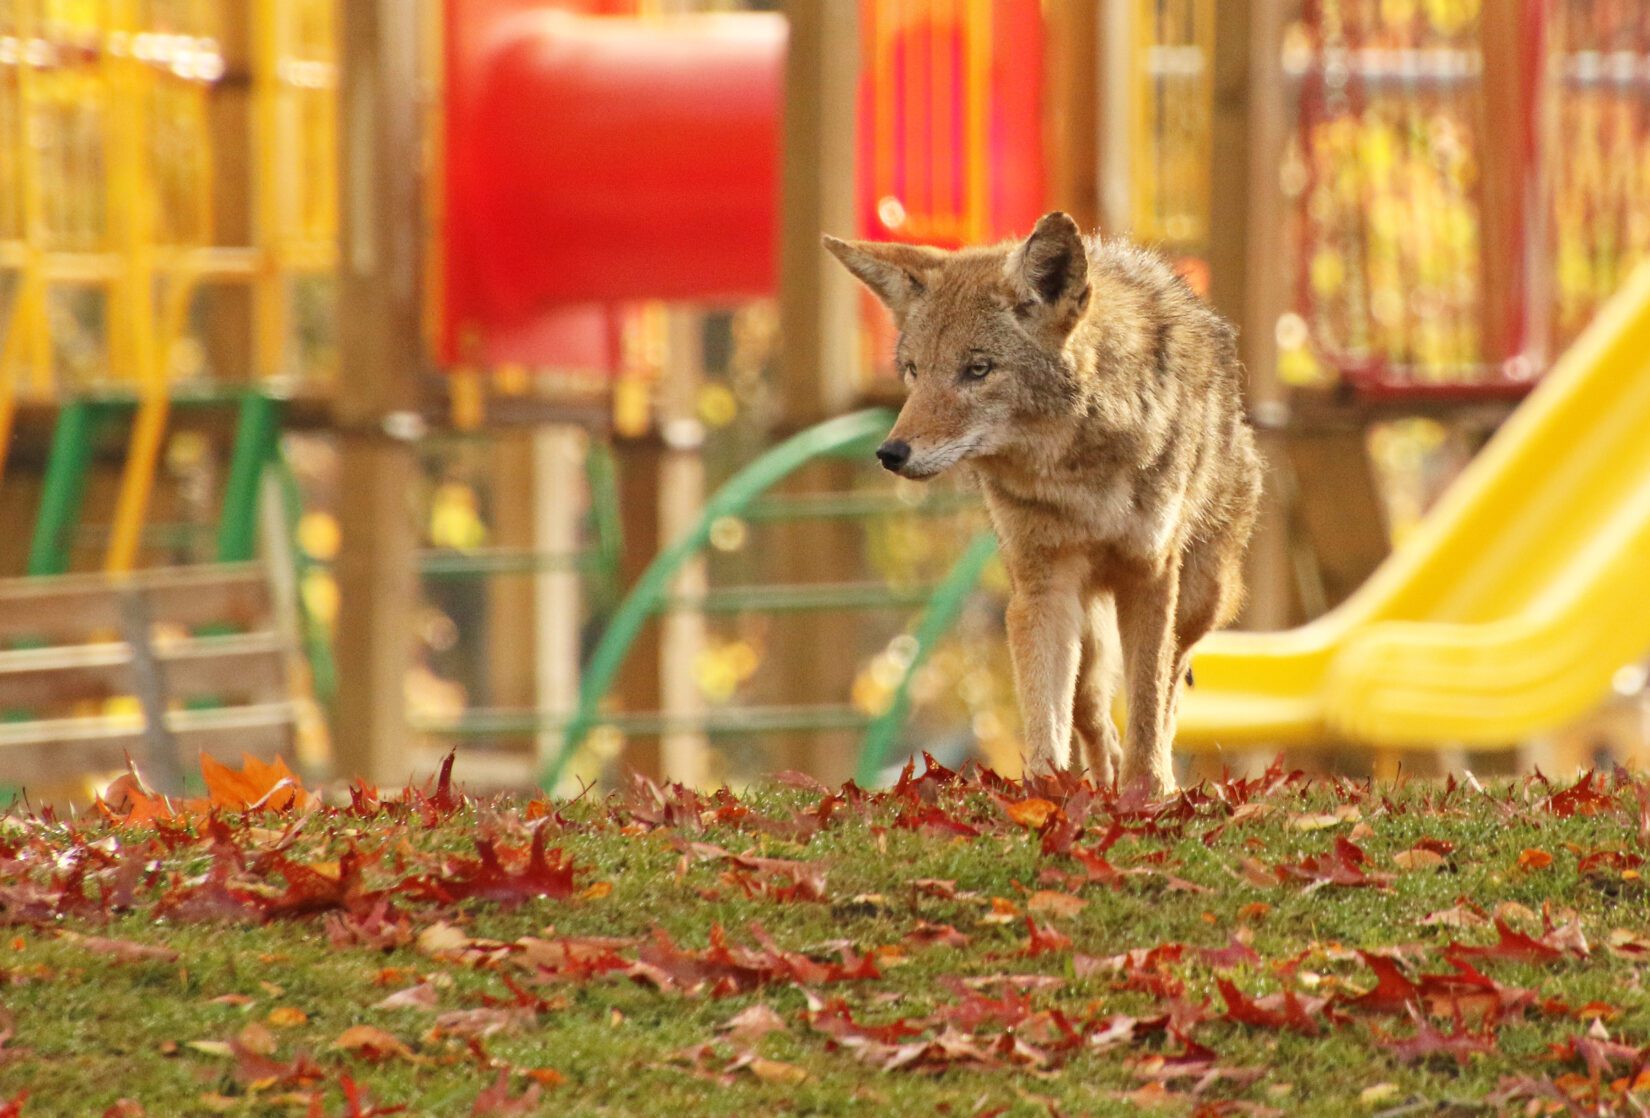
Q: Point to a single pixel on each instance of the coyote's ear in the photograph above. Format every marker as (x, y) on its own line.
(1050, 269)
(897, 274)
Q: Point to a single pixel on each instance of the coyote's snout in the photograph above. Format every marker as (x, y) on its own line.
(1100, 405)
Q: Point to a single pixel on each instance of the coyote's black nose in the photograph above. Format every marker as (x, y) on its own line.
(893, 454)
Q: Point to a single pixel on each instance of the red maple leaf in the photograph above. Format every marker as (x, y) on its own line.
(1429, 1041)
(1393, 992)
(496, 1101)
(1044, 939)
(834, 1019)
(546, 874)
(1513, 946)
(1584, 797)
(1287, 1010)
(1235, 953)
(1343, 866)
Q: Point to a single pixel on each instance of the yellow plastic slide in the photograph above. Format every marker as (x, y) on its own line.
(1522, 594)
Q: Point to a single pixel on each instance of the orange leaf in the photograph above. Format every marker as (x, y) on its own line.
(1418, 858)
(257, 785)
(373, 1043)
(1055, 904)
(1532, 859)
(287, 1017)
(550, 1077)
(1032, 813)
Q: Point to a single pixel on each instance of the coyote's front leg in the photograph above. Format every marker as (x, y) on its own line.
(1045, 628)
(1145, 618)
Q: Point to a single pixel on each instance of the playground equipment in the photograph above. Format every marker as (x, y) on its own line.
(851, 436)
(1510, 610)
(646, 150)
(110, 213)
(231, 678)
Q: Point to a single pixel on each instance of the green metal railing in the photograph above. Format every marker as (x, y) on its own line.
(82, 420)
(743, 497)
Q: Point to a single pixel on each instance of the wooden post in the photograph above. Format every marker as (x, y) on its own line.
(1508, 207)
(818, 303)
(1115, 48)
(1071, 110)
(819, 357)
(381, 354)
(683, 755)
(229, 327)
(1248, 132)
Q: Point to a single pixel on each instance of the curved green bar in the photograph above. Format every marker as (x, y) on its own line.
(849, 434)
(940, 614)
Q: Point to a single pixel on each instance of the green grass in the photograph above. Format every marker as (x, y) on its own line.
(88, 1028)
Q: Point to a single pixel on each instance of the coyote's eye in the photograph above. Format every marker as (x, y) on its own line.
(977, 369)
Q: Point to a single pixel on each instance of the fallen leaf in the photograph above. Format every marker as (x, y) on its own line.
(1418, 858)
(1379, 1093)
(372, 1043)
(124, 950)
(1050, 903)
(773, 1071)
(752, 1024)
(287, 1017)
(421, 996)
(1034, 813)
(1532, 859)
(496, 1101)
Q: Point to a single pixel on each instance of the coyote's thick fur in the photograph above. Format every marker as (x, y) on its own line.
(1099, 403)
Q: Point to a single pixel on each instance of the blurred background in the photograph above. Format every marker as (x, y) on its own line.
(385, 377)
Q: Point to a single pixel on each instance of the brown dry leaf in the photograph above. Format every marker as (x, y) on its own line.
(1458, 917)
(256, 1039)
(1317, 822)
(1419, 858)
(124, 950)
(1003, 911)
(1514, 913)
(1034, 813)
(773, 1071)
(550, 1077)
(372, 1043)
(753, 1024)
(1533, 859)
(1254, 910)
(1049, 902)
(596, 890)
(233, 999)
(422, 996)
(443, 939)
(220, 1104)
(212, 1048)
(287, 1017)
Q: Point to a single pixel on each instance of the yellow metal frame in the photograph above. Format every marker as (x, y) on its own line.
(117, 87)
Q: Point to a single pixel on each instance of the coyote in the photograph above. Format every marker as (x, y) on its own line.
(1099, 404)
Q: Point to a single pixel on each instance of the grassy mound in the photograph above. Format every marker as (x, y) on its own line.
(959, 944)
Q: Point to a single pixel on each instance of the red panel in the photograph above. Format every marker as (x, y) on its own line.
(592, 161)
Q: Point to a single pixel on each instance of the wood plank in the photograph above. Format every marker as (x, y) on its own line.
(71, 608)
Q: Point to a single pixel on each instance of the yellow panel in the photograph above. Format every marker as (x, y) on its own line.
(1510, 609)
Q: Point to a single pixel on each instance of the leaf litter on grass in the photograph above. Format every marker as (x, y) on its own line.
(1189, 950)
